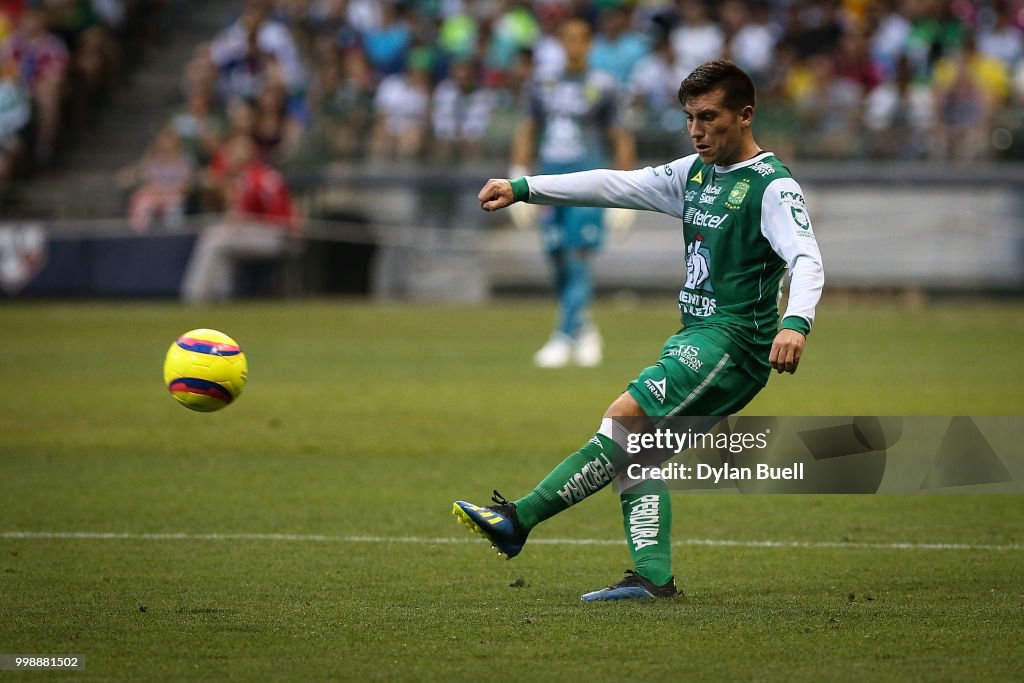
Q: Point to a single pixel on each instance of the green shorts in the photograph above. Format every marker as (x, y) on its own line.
(699, 373)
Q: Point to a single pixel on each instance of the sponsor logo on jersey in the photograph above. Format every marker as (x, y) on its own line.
(762, 169)
(698, 277)
(644, 519)
(704, 219)
(698, 178)
(697, 305)
(710, 194)
(657, 388)
(792, 198)
(737, 194)
(800, 217)
(798, 210)
(698, 265)
(688, 356)
(690, 195)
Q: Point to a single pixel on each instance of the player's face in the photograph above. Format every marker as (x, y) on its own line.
(576, 41)
(718, 132)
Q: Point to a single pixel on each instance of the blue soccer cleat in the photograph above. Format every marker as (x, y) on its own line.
(633, 587)
(498, 524)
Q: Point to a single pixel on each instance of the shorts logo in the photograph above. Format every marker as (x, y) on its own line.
(688, 356)
(658, 388)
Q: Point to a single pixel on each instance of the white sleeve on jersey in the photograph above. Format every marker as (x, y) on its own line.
(660, 188)
(787, 226)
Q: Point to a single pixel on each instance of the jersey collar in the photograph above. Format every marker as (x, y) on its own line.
(743, 164)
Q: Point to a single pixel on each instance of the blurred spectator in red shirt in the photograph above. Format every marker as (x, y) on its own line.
(256, 191)
(257, 225)
(853, 60)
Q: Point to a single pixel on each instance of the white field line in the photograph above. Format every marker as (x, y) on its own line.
(425, 540)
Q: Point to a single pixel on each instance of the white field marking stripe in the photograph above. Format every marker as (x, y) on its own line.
(424, 540)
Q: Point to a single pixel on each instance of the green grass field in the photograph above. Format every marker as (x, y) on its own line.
(304, 533)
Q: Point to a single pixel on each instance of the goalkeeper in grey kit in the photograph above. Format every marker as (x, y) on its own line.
(745, 224)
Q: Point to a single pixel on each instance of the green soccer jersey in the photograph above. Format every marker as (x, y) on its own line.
(743, 226)
(733, 275)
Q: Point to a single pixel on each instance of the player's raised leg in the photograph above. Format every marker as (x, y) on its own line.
(506, 525)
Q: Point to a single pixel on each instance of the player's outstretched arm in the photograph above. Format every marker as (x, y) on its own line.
(786, 351)
(496, 194)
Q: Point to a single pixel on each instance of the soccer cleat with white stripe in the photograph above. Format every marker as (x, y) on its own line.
(498, 524)
(633, 587)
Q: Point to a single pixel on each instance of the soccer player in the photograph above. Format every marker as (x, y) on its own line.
(744, 224)
(571, 118)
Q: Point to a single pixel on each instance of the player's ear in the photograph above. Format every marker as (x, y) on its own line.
(746, 116)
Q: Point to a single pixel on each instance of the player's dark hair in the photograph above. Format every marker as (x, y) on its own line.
(719, 74)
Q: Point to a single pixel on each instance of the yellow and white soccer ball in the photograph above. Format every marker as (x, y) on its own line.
(205, 370)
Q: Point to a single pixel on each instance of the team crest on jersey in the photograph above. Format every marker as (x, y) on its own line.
(737, 195)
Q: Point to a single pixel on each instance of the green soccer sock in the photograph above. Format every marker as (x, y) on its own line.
(647, 518)
(582, 474)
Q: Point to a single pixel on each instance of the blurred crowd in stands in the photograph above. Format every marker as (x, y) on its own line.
(59, 60)
(318, 81)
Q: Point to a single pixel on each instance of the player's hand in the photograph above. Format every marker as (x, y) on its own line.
(496, 194)
(786, 351)
(619, 221)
